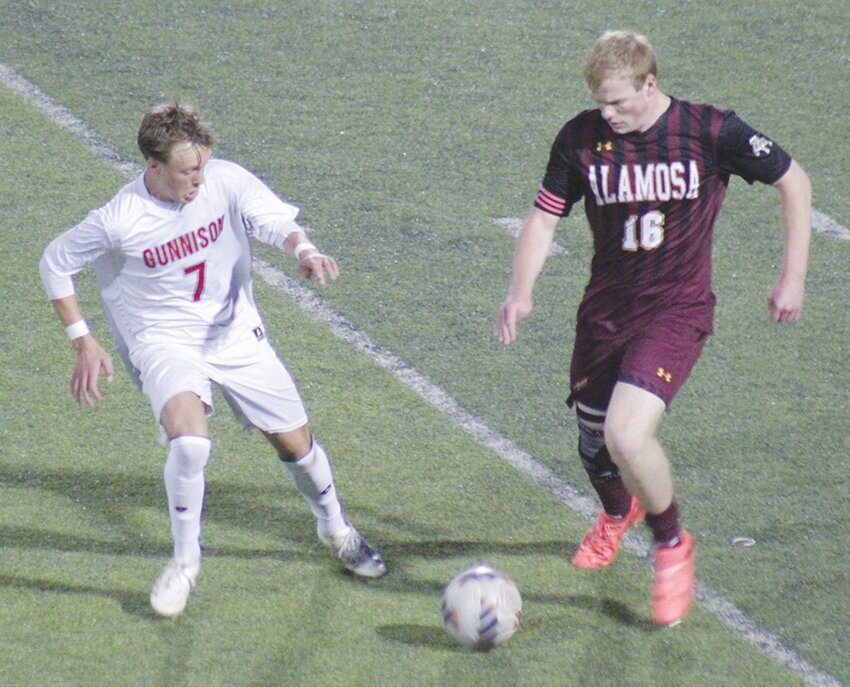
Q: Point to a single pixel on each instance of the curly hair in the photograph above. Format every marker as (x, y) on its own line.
(167, 124)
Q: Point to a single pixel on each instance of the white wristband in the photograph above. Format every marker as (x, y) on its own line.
(76, 330)
(301, 247)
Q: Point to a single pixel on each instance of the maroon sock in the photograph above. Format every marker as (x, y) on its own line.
(665, 526)
(616, 501)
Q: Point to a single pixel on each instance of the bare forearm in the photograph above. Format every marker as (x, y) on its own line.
(785, 299)
(68, 310)
(795, 192)
(531, 251)
(530, 254)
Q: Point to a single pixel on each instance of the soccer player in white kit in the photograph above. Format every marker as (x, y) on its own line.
(172, 256)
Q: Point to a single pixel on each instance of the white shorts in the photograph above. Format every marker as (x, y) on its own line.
(252, 378)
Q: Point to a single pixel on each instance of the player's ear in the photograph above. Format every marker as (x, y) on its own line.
(650, 84)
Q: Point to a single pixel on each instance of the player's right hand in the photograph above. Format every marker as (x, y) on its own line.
(314, 265)
(513, 310)
(91, 359)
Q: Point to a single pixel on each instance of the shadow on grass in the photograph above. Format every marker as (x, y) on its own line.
(272, 507)
(431, 636)
(435, 637)
(134, 603)
(117, 498)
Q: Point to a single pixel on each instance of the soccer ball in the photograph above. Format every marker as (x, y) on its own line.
(481, 607)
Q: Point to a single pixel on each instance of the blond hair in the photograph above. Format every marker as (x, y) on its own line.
(619, 53)
(168, 124)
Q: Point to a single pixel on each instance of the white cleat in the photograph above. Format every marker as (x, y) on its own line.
(355, 552)
(171, 590)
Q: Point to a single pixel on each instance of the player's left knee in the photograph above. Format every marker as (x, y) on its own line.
(292, 446)
(626, 443)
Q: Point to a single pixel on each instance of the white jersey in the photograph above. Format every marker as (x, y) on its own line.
(172, 273)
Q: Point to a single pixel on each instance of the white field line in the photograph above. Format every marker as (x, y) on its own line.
(734, 618)
(826, 225)
(578, 501)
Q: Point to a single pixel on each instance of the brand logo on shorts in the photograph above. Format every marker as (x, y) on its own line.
(258, 332)
(666, 376)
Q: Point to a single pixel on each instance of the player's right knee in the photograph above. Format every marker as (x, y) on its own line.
(188, 455)
(591, 444)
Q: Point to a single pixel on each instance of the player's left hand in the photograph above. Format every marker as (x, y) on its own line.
(785, 299)
(315, 266)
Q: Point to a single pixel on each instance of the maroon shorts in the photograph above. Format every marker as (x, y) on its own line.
(657, 357)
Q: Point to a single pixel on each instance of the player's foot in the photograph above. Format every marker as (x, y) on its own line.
(171, 590)
(355, 552)
(673, 587)
(600, 545)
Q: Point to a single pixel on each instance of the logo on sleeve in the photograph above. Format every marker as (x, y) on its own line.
(760, 145)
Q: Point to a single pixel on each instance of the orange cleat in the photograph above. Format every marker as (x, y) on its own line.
(600, 545)
(673, 587)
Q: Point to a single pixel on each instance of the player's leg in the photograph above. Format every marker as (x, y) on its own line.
(262, 394)
(189, 448)
(593, 373)
(634, 416)
(658, 362)
(620, 510)
(184, 414)
(312, 474)
(656, 365)
(603, 473)
(180, 393)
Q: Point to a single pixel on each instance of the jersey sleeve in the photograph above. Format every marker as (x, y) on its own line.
(70, 253)
(563, 184)
(748, 153)
(265, 216)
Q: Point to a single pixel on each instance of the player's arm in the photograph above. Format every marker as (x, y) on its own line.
(65, 257)
(271, 220)
(532, 249)
(91, 357)
(312, 263)
(785, 298)
(744, 151)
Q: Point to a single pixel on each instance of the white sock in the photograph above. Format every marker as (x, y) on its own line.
(184, 485)
(314, 479)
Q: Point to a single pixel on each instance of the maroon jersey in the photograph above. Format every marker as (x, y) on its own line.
(651, 200)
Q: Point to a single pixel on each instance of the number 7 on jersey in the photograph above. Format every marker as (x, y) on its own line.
(200, 268)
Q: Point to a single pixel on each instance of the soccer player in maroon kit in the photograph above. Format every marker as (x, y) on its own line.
(652, 171)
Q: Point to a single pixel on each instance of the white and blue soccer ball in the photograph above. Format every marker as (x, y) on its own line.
(481, 607)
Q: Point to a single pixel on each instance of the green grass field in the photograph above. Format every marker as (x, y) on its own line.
(405, 131)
